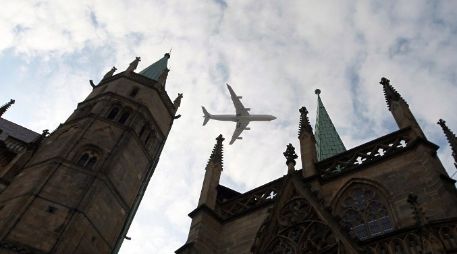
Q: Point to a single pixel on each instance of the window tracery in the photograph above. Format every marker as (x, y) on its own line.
(364, 212)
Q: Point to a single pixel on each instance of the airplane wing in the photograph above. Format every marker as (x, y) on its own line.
(240, 127)
(240, 109)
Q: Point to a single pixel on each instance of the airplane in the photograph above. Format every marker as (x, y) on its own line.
(242, 117)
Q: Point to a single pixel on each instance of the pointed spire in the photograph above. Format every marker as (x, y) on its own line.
(304, 122)
(158, 70)
(5, 107)
(390, 93)
(217, 156)
(328, 142)
(451, 138)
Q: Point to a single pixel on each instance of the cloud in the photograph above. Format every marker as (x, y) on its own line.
(273, 54)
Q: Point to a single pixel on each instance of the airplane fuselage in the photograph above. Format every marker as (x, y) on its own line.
(247, 118)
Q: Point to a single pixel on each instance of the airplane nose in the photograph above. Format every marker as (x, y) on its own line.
(273, 117)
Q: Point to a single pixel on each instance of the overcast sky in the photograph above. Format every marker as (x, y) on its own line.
(273, 53)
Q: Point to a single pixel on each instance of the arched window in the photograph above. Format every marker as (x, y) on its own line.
(87, 160)
(364, 212)
(113, 113)
(124, 117)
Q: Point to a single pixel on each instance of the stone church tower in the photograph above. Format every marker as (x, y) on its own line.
(76, 190)
(389, 195)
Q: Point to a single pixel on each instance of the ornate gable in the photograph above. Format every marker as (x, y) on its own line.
(298, 223)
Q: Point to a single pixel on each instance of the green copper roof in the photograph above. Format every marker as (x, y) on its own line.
(328, 142)
(155, 70)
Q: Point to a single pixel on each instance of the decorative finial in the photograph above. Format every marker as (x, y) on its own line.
(220, 138)
(5, 107)
(451, 138)
(317, 91)
(216, 155)
(133, 65)
(177, 101)
(290, 157)
(304, 122)
(390, 93)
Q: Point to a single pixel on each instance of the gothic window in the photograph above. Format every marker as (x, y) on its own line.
(87, 160)
(364, 212)
(113, 113)
(124, 117)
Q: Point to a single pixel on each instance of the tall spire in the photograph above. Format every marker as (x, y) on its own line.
(328, 142)
(217, 156)
(158, 71)
(307, 140)
(451, 138)
(208, 195)
(390, 93)
(6, 106)
(400, 109)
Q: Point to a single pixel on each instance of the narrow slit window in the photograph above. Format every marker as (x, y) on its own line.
(113, 113)
(124, 117)
(142, 131)
(90, 164)
(83, 160)
(147, 138)
(134, 92)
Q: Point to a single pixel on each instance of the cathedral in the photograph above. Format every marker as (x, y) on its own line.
(389, 195)
(76, 189)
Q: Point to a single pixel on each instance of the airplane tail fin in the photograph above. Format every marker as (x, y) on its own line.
(206, 116)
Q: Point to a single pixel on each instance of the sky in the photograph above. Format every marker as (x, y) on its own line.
(273, 53)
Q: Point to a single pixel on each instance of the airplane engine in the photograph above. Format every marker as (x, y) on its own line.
(247, 128)
(239, 138)
(240, 97)
(248, 109)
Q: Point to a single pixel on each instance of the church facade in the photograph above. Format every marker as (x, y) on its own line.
(389, 195)
(76, 190)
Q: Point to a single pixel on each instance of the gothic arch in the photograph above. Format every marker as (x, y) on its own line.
(364, 209)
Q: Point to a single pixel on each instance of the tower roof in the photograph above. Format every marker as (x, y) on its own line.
(328, 142)
(155, 70)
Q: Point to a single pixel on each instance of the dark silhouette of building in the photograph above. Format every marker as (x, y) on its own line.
(76, 190)
(389, 195)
